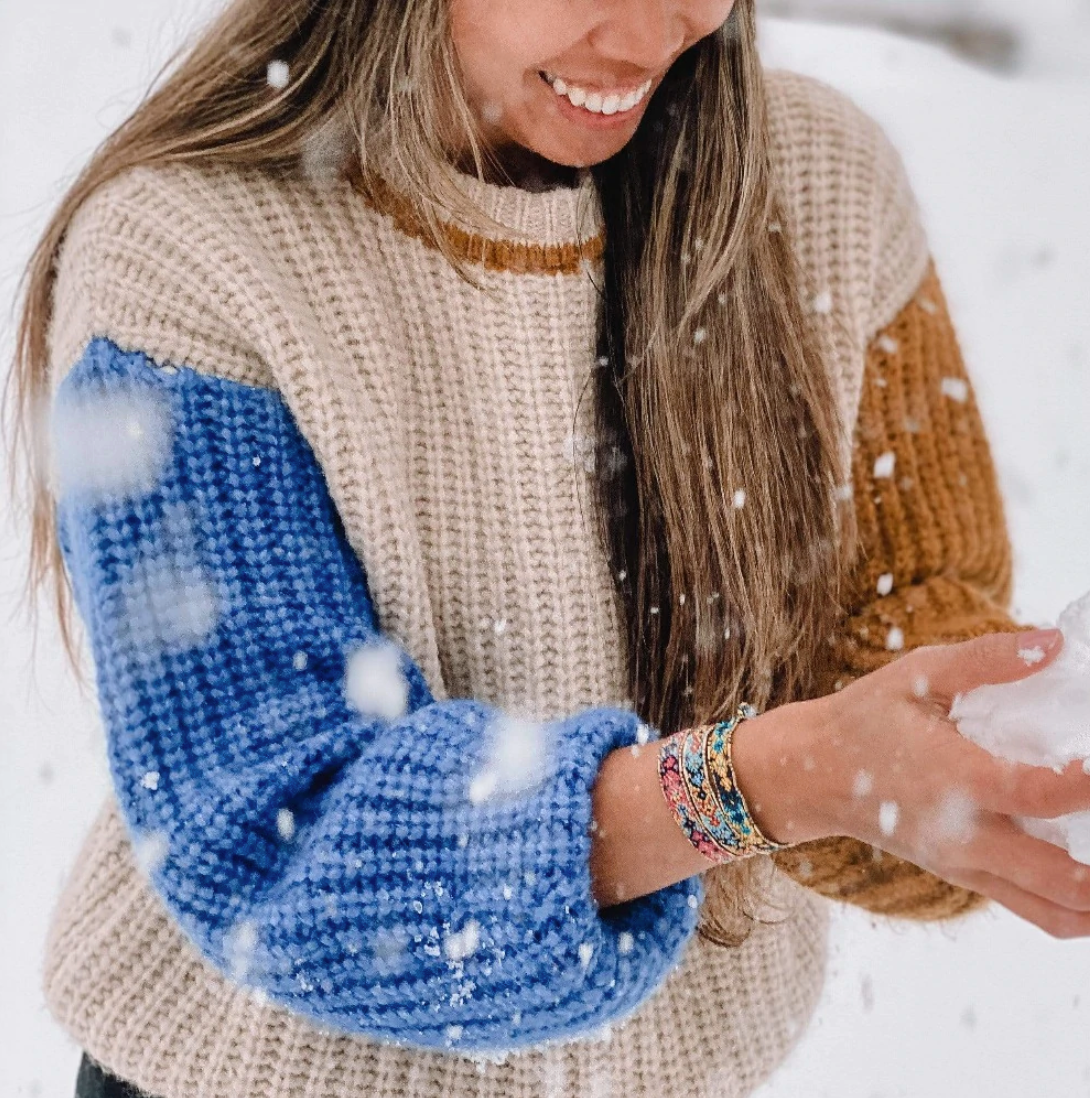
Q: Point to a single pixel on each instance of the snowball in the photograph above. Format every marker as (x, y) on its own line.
(375, 685)
(517, 760)
(889, 813)
(956, 389)
(278, 74)
(885, 583)
(463, 943)
(1042, 720)
(884, 465)
(114, 445)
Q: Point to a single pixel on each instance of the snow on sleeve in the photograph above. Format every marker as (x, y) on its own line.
(1041, 721)
(322, 829)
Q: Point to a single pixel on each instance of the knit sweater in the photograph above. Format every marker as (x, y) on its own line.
(416, 441)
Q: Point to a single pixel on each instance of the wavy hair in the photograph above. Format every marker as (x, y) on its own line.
(718, 431)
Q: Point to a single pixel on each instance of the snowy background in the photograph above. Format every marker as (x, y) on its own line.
(1000, 157)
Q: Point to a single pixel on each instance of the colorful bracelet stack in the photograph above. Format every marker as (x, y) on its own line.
(698, 781)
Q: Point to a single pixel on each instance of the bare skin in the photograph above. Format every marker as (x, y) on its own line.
(800, 769)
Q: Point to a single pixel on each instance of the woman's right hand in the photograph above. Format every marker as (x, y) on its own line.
(881, 761)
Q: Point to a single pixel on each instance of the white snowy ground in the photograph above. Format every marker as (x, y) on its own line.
(993, 1010)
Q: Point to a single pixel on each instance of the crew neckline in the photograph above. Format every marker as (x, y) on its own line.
(556, 216)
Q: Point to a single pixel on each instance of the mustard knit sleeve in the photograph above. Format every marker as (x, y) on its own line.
(934, 564)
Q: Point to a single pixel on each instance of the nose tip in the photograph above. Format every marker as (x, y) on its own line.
(646, 38)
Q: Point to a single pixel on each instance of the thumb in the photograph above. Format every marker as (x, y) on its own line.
(998, 657)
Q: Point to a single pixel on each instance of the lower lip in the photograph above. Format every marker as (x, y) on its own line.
(589, 118)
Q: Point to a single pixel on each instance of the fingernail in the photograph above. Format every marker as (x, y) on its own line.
(1039, 640)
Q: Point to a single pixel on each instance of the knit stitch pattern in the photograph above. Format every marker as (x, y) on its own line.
(395, 903)
(448, 422)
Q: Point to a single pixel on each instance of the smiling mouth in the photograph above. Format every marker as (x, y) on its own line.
(597, 102)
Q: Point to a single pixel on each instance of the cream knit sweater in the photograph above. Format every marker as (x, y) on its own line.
(448, 423)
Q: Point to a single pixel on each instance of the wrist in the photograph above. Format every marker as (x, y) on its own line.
(778, 765)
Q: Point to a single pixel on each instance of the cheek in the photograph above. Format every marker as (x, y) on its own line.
(501, 44)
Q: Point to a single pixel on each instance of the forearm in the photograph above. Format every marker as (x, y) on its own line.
(637, 846)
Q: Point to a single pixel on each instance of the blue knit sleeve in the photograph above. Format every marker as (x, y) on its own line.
(337, 840)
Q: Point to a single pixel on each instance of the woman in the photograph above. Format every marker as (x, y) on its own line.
(449, 399)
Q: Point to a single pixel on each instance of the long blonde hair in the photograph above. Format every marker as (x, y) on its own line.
(718, 428)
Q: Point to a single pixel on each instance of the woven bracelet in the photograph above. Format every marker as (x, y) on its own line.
(698, 781)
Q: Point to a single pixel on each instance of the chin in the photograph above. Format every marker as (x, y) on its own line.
(578, 156)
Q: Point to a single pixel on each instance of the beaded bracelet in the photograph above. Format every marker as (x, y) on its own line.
(698, 781)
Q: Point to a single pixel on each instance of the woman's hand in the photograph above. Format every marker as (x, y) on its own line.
(882, 762)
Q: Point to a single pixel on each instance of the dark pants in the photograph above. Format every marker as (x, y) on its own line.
(95, 1082)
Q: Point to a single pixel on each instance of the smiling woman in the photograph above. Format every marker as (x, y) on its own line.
(603, 64)
(496, 640)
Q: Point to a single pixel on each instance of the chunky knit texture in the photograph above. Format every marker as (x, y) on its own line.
(934, 532)
(417, 889)
(447, 423)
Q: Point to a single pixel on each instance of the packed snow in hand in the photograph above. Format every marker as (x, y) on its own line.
(1043, 720)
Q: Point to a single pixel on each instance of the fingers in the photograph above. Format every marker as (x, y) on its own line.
(1014, 789)
(1053, 919)
(1001, 850)
(949, 670)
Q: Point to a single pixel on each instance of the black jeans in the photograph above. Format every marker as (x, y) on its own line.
(95, 1082)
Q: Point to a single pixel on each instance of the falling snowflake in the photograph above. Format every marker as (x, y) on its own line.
(285, 824)
(956, 389)
(114, 446)
(375, 685)
(884, 464)
(863, 784)
(463, 943)
(278, 74)
(888, 344)
(885, 583)
(240, 943)
(823, 303)
(895, 639)
(517, 760)
(889, 813)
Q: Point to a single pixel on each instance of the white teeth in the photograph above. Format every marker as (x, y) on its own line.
(595, 102)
